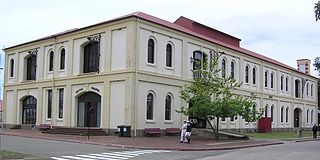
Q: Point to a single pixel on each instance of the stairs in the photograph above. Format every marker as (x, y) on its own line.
(76, 131)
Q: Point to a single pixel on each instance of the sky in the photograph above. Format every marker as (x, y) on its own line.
(284, 30)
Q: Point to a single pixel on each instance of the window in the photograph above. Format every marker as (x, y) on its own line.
(287, 114)
(151, 51)
(61, 93)
(281, 83)
(51, 54)
(62, 58)
(265, 79)
(150, 104)
(253, 75)
(169, 55)
(287, 83)
(266, 111)
(307, 90)
(223, 119)
(49, 109)
(31, 65)
(307, 115)
(272, 107)
(247, 74)
(223, 68)
(232, 119)
(11, 67)
(232, 70)
(281, 114)
(199, 61)
(91, 57)
(271, 80)
(254, 110)
(311, 116)
(311, 91)
(168, 108)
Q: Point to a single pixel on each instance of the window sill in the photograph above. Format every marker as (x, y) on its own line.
(60, 120)
(151, 64)
(168, 121)
(60, 71)
(28, 81)
(89, 73)
(169, 68)
(150, 121)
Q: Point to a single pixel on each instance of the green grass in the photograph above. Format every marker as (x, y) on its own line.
(280, 135)
(12, 155)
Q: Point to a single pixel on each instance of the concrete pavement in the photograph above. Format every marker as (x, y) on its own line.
(198, 143)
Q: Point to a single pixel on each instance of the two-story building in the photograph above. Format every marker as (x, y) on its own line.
(130, 70)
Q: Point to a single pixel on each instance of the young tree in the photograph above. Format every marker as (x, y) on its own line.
(212, 95)
(317, 10)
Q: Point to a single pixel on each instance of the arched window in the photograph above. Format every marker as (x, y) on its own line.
(265, 79)
(287, 83)
(223, 68)
(168, 108)
(232, 70)
(311, 90)
(11, 67)
(254, 110)
(31, 67)
(307, 90)
(254, 75)
(281, 83)
(311, 116)
(169, 55)
(266, 111)
(62, 58)
(271, 111)
(150, 105)
(151, 51)
(49, 104)
(247, 74)
(281, 114)
(271, 80)
(51, 54)
(199, 60)
(307, 115)
(287, 114)
(91, 57)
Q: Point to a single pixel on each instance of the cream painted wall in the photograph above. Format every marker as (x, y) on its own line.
(118, 49)
(10, 107)
(160, 91)
(117, 104)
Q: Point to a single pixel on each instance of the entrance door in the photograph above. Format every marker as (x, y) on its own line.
(297, 117)
(29, 110)
(89, 110)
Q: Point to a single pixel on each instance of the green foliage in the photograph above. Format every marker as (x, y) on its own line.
(316, 64)
(317, 10)
(213, 95)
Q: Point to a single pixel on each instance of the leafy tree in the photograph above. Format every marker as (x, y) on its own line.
(317, 10)
(214, 96)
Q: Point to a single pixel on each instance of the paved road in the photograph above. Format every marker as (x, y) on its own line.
(66, 151)
(288, 151)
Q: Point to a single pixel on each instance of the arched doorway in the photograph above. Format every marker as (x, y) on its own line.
(89, 110)
(297, 117)
(29, 110)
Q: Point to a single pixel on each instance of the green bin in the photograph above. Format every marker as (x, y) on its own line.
(120, 130)
(126, 131)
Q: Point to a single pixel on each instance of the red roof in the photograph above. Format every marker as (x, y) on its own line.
(177, 27)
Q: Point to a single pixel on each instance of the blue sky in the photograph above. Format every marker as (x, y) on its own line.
(284, 30)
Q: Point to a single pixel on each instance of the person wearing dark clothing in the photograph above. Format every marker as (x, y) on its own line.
(315, 129)
(188, 132)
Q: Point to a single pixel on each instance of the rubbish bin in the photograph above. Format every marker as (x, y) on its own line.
(299, 132)
(126, 131)
(120, 130)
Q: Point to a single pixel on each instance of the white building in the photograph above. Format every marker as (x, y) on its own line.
(130, 70)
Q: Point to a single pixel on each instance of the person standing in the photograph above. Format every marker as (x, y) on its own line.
(188, 132)
(183, 131)
(315, 129)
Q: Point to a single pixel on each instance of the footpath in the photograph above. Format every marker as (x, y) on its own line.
(198, 143)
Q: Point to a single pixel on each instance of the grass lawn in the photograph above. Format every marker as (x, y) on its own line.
(12, 155)
(280, 135)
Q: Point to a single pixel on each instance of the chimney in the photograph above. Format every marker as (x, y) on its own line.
(303, 65)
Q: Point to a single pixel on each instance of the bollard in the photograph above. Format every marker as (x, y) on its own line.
(299, 132)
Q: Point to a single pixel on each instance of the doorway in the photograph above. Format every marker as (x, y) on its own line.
(297, 117)
(89, 110)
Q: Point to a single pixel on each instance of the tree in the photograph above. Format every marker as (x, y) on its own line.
(214, 96)
(317, 10)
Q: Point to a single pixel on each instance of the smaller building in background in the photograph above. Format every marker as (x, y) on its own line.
(304, 65)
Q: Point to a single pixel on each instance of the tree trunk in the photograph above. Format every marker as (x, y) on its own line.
(217, 135)
(214, 131)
